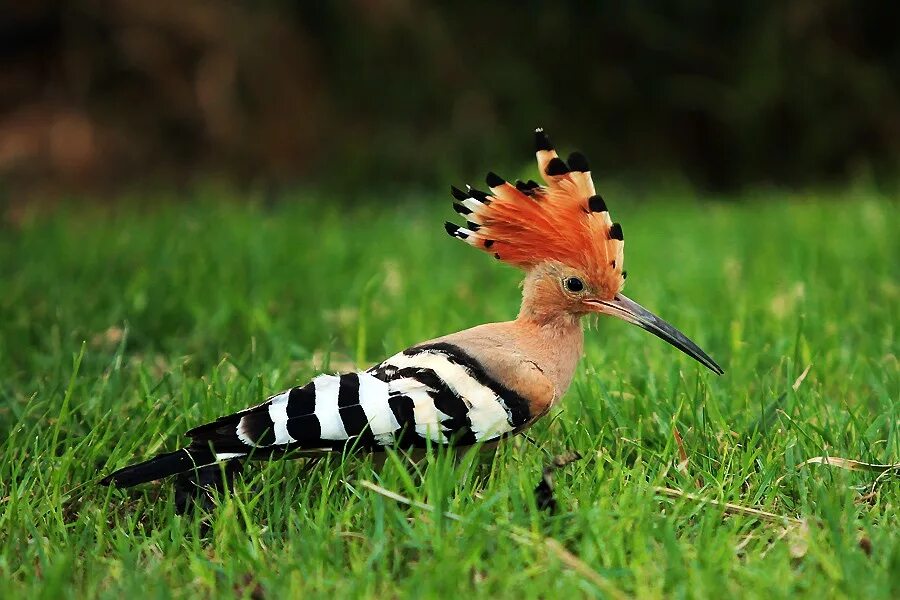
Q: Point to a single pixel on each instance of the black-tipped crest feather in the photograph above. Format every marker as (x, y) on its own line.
(541, 141)
(493, 180)
(479, 195)
(556, 167)
(597, 204)
(615, 232)
(463, 210)
(458, 193)
(578, 162)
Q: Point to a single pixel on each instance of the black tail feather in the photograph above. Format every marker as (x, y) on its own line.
(171, 463)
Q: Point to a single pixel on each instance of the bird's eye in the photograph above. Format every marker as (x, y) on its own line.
(573, 284)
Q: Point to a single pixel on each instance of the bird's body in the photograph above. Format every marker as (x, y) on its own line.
(471, 387)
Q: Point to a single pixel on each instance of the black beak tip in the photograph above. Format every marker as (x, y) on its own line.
(704, 359)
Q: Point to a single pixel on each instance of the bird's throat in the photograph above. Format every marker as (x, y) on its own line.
(556, 341)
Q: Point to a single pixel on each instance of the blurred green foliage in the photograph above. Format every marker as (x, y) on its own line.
(390, 92)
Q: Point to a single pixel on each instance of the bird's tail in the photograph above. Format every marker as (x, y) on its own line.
(163, 465)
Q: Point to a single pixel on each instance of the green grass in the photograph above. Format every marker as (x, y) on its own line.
(121, 329)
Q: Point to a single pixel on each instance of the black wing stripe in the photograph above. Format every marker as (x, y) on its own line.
(305, 429)
(301, 401)
(404, 410)
(355, 422)
(348, 394)
(383, 371)
(351, 412)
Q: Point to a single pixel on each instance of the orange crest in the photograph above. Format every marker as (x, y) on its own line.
(526, 224)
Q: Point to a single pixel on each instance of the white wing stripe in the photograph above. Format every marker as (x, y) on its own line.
(327, 388)
(373, 397)
(278, 414)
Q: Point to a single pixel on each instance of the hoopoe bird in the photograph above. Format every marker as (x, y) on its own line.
(474, 386)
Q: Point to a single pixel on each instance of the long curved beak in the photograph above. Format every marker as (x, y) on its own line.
(629, 310)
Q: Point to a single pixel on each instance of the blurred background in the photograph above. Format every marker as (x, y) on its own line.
(97, 96)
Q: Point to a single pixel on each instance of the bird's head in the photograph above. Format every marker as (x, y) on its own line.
(561, 234)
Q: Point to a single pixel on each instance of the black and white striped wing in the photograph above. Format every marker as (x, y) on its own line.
(432, 393)
(453, 399)
(429, 394)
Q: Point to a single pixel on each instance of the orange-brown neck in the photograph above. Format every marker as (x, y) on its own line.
(552, 328)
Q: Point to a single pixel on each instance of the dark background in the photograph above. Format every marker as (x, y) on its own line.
(100, 95)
